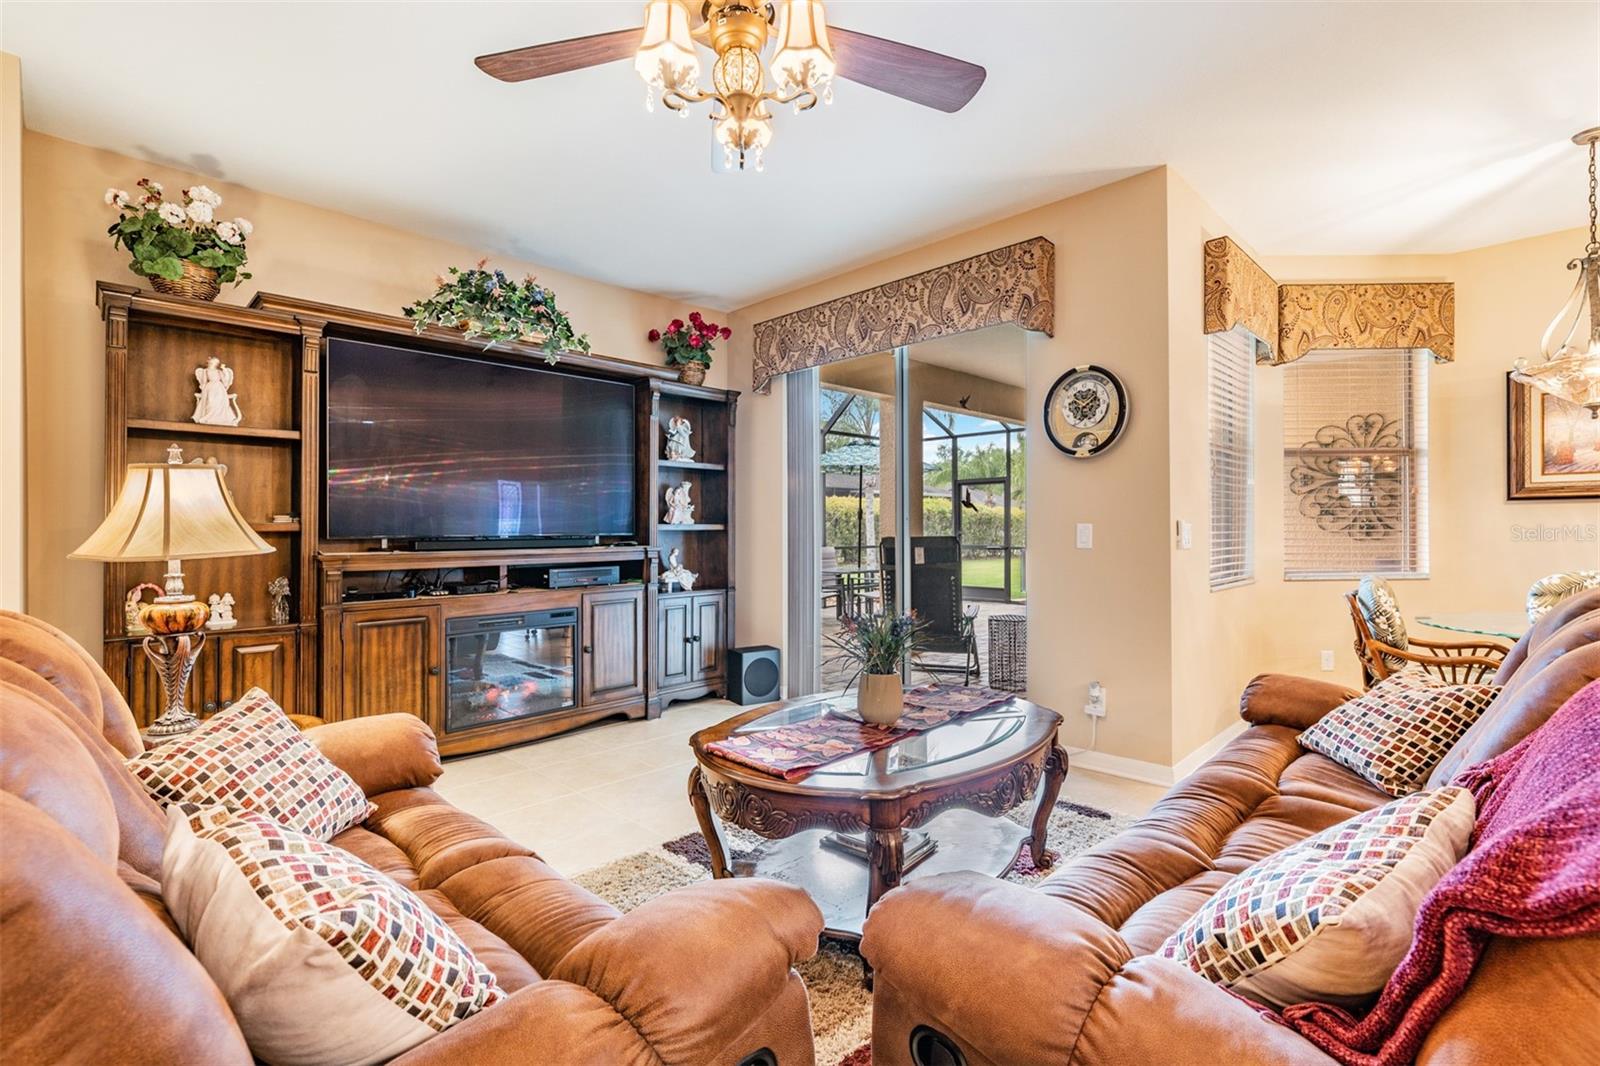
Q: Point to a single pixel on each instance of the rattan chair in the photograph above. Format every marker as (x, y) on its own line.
(1457, 662)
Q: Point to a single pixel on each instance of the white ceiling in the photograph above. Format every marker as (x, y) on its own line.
(1312, 127)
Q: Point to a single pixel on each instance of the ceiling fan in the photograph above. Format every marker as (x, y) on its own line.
(808, 55)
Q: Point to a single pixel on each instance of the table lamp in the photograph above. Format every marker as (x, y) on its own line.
(173, 511)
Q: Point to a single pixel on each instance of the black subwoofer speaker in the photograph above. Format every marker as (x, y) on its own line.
(753, 674)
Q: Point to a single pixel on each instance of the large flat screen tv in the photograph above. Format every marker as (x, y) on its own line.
(424, 446)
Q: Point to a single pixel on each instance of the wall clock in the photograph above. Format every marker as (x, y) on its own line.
(1085, 411)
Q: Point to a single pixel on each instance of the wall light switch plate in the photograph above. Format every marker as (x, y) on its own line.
(1086, 534)
(1327, 660)
(1185, 535)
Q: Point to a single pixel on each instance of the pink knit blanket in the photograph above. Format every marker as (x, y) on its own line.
(1533, 871)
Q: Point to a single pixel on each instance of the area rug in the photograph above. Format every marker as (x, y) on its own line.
(841, 1009)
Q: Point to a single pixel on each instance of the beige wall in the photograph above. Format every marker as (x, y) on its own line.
(297, 250)
(1095, 615)
(13, 568)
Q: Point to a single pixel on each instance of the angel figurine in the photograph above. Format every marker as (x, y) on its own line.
(221, 611)
(680, 512)
(214, 405)
(676, 574)
(678, 447)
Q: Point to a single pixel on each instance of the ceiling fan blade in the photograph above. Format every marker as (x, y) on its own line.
(558, 57)
(903, 70)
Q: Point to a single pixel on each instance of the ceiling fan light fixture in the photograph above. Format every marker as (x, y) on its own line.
(737, 72)
(1568, 366)
(666, 56)
(804, 59)
(744, 135)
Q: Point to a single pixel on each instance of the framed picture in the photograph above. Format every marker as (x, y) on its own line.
(1552, 447)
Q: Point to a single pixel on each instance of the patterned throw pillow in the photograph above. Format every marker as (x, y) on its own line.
(250, 757)
(1397, 731)
(321, 957)
(1381, 611)
(1328, 919)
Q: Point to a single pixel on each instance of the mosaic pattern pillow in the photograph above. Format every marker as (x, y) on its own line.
(250, 757)
(321, 957)
(1397, 731)
(1381, 611)
(1328, 919)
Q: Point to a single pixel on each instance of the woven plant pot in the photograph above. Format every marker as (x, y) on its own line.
(197, 283)
(692, 373)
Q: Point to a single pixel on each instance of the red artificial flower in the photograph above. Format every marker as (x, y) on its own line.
(654, 335)
(708, 327)
(675, 325)
(695, 341)
(726, 332)
(694, 316)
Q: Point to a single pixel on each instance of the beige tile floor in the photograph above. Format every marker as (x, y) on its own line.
(589, 797)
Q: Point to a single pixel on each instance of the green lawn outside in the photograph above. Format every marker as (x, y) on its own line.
(987, 573)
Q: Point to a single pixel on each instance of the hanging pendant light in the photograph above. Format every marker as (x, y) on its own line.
(1569, 362)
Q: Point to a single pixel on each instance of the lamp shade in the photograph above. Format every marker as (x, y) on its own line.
(172, 511)
(804, 59)
(666, 53)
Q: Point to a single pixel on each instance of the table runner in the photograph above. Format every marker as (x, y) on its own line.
(793, 751)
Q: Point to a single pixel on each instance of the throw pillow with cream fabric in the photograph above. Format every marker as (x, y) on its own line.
(322, 958)
(1327, 920)
(250, 757)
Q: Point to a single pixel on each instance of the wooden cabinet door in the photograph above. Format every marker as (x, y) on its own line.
(265, 661)
(613, 637)
(144, 684)
(391, 663)
(675, 644)
(709, 638)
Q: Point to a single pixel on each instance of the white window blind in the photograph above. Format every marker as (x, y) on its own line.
(1230, 400)
(1355, 463)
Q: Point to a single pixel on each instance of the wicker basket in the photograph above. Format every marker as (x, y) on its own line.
(197, 283)
(692, 373)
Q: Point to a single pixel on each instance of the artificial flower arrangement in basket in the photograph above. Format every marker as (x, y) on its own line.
(184, 249)
(487, 303)
(689, 345)
(875, 644)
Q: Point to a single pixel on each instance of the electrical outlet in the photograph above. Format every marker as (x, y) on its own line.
(1086, 534)
(1185, 535)
(1327, 660)
(1096, 707)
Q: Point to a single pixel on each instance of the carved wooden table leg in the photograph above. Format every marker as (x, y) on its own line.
(708, 824)
(1055, 772)
(885, 861)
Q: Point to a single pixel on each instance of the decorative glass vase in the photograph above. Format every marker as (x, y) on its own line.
(880, 698)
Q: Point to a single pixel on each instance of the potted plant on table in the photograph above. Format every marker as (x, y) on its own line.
(487, 303)
(689, 345)
(877, 644)
(184, 249)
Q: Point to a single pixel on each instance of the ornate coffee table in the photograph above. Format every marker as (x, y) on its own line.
(954, 783)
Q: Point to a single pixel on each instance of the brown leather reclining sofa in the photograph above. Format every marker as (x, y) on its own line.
(92, 969)
(969, 969)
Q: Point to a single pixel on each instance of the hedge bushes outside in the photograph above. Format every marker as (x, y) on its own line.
(984, 526)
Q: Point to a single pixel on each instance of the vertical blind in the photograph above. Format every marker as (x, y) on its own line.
(1355, 465)
(1230, 400)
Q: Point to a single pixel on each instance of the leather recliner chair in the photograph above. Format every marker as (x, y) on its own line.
(94, 970)
(1064, 973)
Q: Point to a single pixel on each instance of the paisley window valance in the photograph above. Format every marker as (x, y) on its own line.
(1015, 284)
(1292, 320)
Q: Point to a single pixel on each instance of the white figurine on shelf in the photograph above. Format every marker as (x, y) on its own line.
(677, 575)
(214, 405)
(678, 446)
(221, 611)
(680, 512)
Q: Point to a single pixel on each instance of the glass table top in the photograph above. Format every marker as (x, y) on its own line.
(1508, 624)
(919, 751)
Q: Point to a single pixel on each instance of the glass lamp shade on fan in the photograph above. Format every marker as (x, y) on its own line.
(170, 511)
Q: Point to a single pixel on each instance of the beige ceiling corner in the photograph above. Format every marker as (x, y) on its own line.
(1419, 314)
(1239, 293)
(1015, 284)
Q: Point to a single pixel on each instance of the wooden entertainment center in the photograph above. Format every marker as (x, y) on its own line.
(360, 639)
